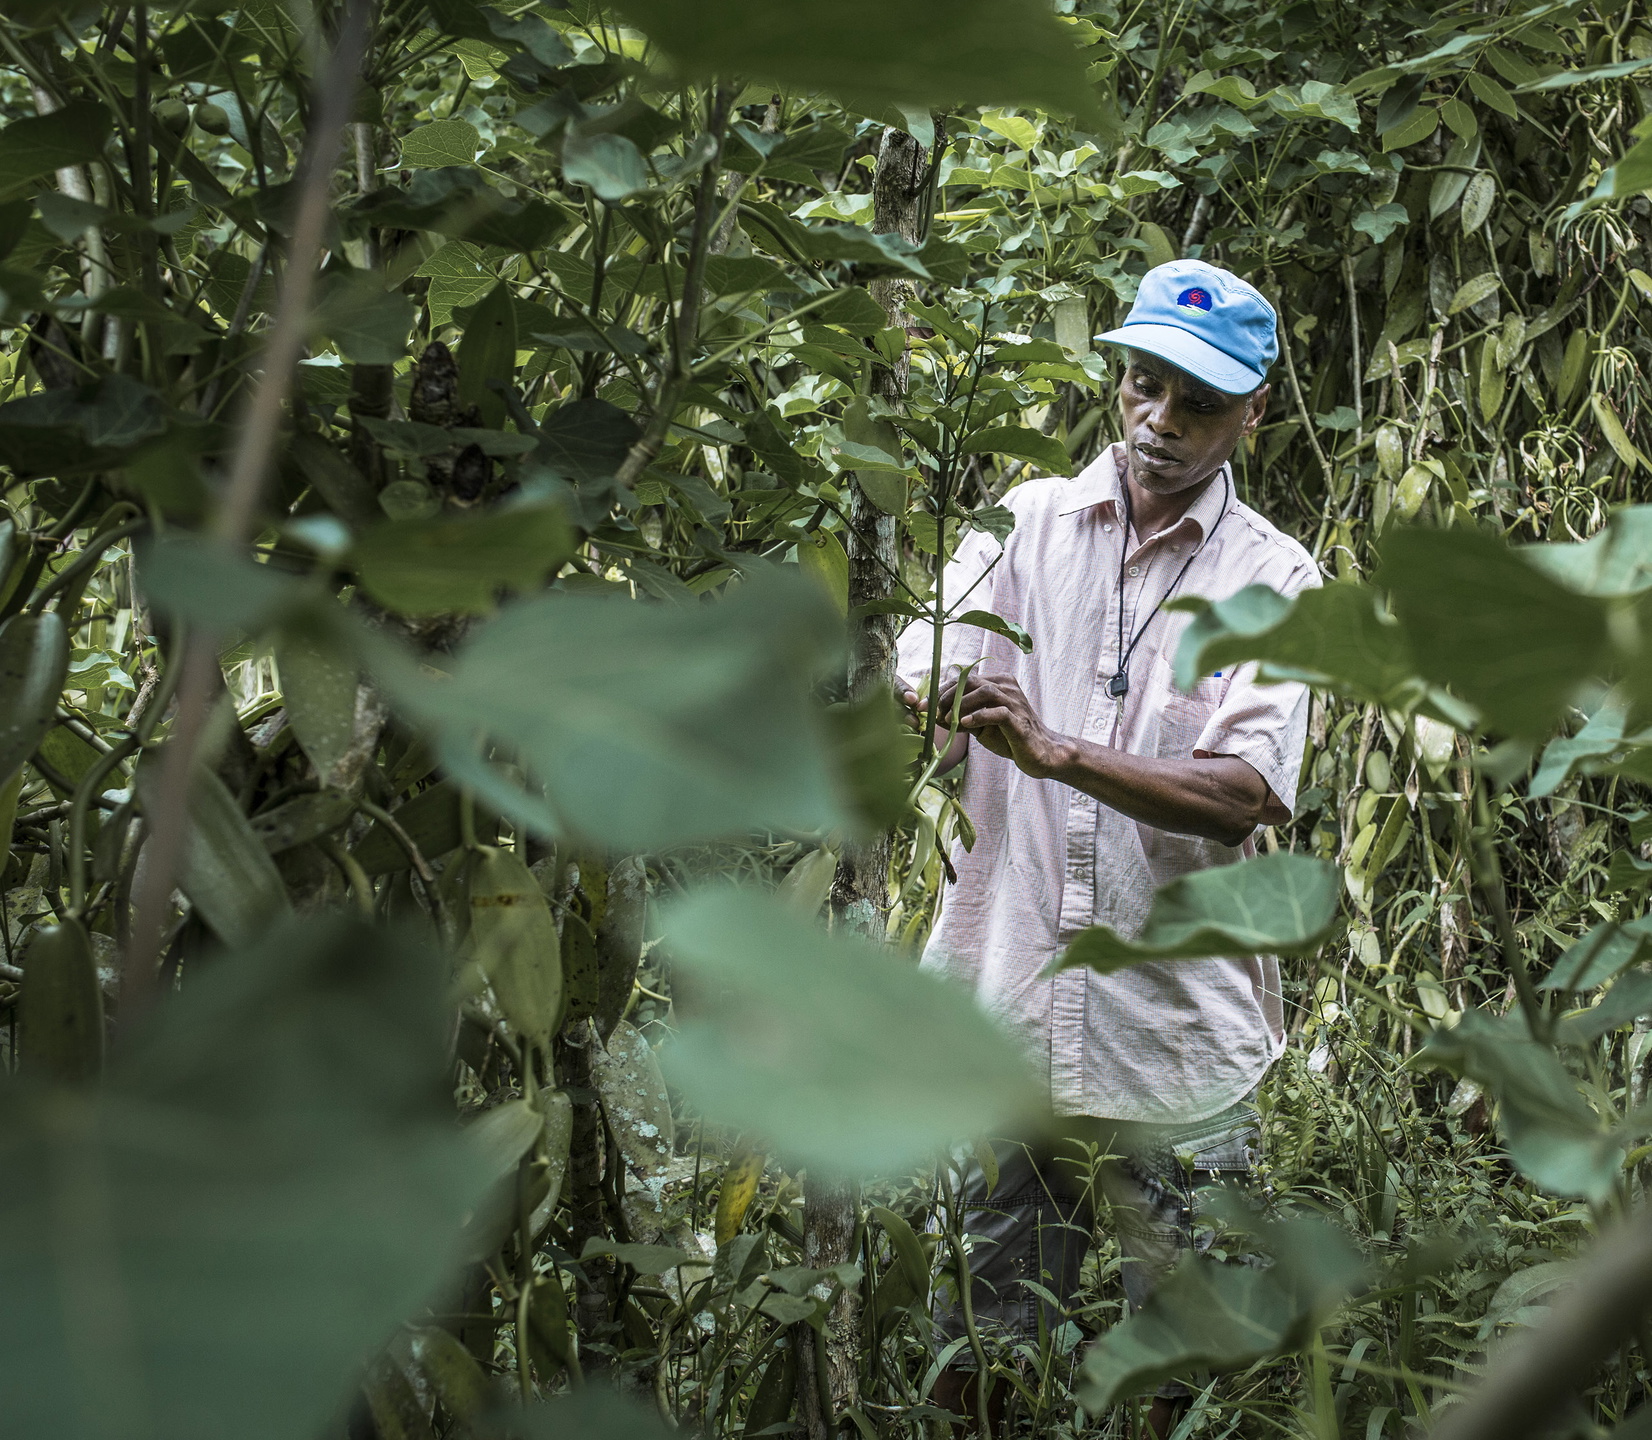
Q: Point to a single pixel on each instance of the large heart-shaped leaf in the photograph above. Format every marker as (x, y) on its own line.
(1279, 904)
(1331, 636)
(645, 725)
(811, 1040)
(1510, 640)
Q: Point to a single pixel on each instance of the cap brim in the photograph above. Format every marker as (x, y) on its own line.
(1202, 360)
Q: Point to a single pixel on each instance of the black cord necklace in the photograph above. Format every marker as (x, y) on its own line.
(1119, 686)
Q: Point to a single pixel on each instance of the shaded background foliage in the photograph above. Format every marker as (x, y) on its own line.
(596, 319)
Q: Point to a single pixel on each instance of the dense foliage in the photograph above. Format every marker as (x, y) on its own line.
(464, 467)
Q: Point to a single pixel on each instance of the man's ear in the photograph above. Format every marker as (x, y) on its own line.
(1256, 406)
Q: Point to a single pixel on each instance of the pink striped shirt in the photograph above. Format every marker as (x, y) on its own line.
(1170, 1042)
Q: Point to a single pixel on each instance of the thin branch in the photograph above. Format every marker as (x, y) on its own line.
(259, 430)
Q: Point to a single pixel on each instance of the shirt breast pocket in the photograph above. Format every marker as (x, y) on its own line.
(1183, 717)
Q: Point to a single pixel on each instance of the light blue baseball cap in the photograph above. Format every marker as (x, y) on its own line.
(1204, 320)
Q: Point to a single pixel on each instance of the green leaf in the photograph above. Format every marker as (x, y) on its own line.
(822, 556)
(227, 873)
(647, 725)
(487, 355)
(275, 1132)
(1381, 222)
(1628, 998)
(34, 661)
(1207, 1315)
(1045, 451)
(60, 1009)
(1552, 1135)
(367, 323)
(610, 164)
(1602, 746)
(442, 142)
(195, 580)
(1472, 292)
(585, 440)
(644, 1259)
(37, 145)
(318, 684)
(1632, 174)
(430, 820)
(1278, 904)
(873, 53)
(1600, 955)
(440, 566)
(999, 626)
(1419, 127)
(1489, 92)
(1615, 561)
(513, 938)
(811, 1043)
(873, 749)
(1332, 636)
(1503, 635)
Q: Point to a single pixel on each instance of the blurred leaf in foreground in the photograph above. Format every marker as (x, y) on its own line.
(1332, 636)
(880, 52)
(1551, 1133)
(811, 1039)
(1479, 618)
(268, 1184)
(1207, 1315)
(647, 725)
(1279, 904)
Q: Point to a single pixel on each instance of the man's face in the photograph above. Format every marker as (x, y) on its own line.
(1177, 430)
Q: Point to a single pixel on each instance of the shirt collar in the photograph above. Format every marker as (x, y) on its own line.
(1100, 483)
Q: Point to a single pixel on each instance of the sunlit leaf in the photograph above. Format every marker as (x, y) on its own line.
(442, 142)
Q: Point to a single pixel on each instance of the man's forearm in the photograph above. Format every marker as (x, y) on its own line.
(1222, 798)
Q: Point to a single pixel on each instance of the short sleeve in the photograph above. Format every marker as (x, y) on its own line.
(1264, 725)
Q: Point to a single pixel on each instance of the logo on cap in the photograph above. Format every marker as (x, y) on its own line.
(1194, 299)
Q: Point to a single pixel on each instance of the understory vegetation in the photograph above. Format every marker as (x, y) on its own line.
(465, 466)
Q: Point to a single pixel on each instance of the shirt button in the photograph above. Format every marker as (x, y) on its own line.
(1135, 569)
(1108, 529)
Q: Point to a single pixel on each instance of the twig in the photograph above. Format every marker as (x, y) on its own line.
(249, 465)
(686, 333)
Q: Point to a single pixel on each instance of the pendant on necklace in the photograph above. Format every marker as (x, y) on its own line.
(1119, 686)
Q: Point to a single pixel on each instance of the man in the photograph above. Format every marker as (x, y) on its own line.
(1092, 780)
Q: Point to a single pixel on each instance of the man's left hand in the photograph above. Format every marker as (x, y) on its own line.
(996, 712)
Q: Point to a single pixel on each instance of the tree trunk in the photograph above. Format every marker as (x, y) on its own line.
(860, 893)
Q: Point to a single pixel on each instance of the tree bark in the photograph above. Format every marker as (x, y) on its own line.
(860, 892)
